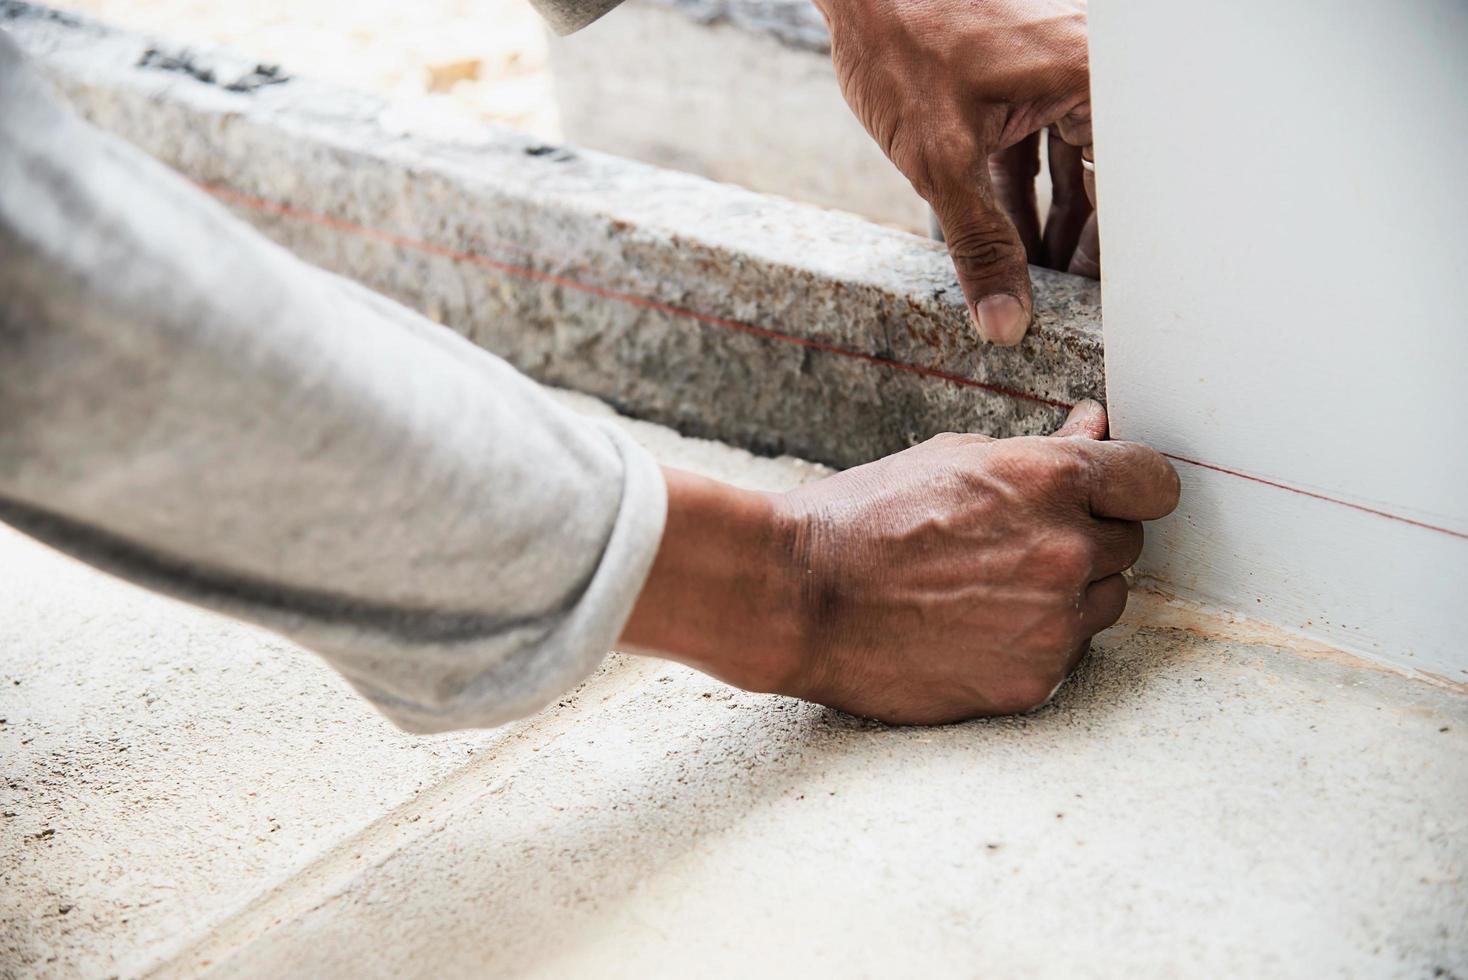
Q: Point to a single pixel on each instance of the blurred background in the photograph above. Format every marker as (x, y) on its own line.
(446, 64)
(653, 83)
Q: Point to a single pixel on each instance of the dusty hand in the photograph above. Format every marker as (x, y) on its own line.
(943, 84)
(962, 577)
(966, 575)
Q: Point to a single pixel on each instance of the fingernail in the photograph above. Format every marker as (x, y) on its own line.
(1001, 319)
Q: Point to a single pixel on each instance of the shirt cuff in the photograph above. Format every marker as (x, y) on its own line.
(568, 16)
(543, 670)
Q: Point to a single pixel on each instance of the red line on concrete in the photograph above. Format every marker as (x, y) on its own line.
(1319, 496)
(402, 241)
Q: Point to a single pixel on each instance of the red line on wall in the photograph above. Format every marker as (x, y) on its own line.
(525, 272)
(1318, 496)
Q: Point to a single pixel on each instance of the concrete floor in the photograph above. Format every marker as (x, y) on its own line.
(183, 793)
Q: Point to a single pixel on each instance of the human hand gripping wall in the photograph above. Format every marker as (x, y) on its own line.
(962, 577)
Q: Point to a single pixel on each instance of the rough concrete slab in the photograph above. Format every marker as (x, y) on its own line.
(165, 768)
(162, 766)
(1188, 807)
(720, 312)
(1200, 801)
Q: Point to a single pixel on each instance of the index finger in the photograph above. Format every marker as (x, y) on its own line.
(1129, 481)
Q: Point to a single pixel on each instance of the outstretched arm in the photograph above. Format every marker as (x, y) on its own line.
(191, 407)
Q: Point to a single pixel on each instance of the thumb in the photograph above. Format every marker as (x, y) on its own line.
(1086, 420)
(988, 256)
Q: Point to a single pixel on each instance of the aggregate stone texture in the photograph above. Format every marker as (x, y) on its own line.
(723, 313)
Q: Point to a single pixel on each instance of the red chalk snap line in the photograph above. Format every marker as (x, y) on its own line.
(1319, 496)
(526, 272)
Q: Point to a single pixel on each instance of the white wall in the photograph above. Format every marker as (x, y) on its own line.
(1284, 190)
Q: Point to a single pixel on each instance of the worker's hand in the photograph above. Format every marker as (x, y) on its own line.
(1068, 241)
(966, 576)
(962, 577)
(944, 84)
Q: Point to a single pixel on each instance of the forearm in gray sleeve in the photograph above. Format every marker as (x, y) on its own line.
(186, 405)
(567, 16)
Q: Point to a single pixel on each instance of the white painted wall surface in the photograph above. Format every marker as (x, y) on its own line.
(1284, 194)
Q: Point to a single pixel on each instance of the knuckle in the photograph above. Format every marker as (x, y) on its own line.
(1067, 561)
(1050, 465)
(939, 163)
(1142, 457)
(1156, 474)
(977, 249)
(954, 447)
(954, 439)
(1059, 632)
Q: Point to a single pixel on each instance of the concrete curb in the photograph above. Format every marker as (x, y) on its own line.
(725, 314)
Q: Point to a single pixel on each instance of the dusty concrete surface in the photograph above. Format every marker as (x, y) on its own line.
(720, 312)
(163, 767)
(1191, 805)
(1187, 808)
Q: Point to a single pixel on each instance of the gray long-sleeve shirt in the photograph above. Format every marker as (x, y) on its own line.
(572, 15)
(189, 406)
